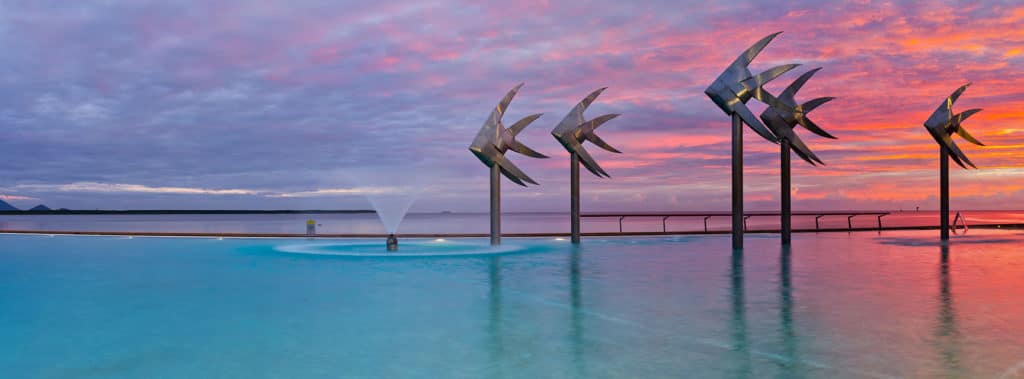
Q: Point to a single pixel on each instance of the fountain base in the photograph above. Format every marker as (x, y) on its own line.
(392, 242)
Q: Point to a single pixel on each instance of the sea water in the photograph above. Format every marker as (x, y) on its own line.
(845, 305)
(453, 222)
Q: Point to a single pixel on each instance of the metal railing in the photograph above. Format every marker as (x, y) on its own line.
(963, 222)
(747, 215)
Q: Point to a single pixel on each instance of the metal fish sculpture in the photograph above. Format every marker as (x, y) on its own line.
(575, 129)
(943, 123)
(737, 85)
(494, 140)
(783, 121)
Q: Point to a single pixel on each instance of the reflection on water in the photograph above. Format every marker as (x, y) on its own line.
(833, 305)
(738, 321)
(788, 337)
(947, 336)
(576, 301)
(494, 322)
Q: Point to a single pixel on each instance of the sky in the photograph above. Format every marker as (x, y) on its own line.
(306, 104)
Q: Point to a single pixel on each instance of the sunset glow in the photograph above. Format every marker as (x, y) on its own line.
(240, 104)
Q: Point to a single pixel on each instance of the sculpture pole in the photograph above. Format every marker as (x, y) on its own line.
(730, 92)
(782, 121)
(944, 192)
(787, 205)
(495, 205)
(572, 132)
(942, 124)
(490, 145)
(574, 189)
(737, 182)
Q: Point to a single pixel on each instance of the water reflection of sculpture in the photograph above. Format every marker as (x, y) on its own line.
(494, 326)
(576, 300)
(790, 340)
(947, 334)
(738, 321)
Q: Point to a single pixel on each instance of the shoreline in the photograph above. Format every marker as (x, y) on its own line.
(184, 212)
(1010, 226)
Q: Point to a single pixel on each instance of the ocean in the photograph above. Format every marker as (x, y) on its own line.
(454, 222)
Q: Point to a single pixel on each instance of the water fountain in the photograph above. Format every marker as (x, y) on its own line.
(392, 242)
(391, 191)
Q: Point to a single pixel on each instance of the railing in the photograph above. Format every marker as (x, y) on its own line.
(963, 221)
(708, 215)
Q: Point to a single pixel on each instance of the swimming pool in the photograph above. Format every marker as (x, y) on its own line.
(834, 305)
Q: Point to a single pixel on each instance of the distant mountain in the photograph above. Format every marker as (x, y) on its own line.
(40, 208)
(6, 207)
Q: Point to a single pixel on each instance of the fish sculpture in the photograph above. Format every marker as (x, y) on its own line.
(782, 122)
(494, 140)
(943, 123)
(574, 130)
(737, 85)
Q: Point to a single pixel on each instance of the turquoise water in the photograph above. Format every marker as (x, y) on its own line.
(835, 305)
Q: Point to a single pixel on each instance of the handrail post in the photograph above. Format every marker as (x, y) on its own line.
(880, 220)
(959, 219)
(664, 228)
(706, 223)
(620, 223)
(745, 222)
(849, 222)
(816, 226)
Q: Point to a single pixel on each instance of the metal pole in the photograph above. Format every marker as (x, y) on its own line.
(737, 182)
(495, 205)
(574, 189)
(944, 192)
(787, 206)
